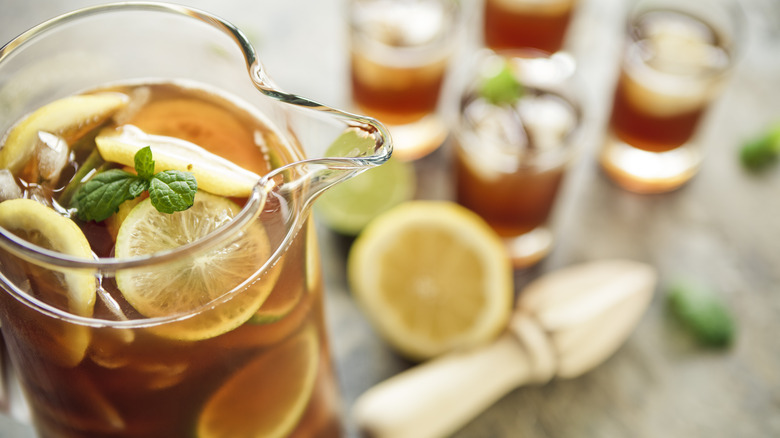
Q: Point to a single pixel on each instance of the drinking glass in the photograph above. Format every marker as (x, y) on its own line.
(527, 24)
(510, 160)
(251, 358)
(676, 60)
(400, 53)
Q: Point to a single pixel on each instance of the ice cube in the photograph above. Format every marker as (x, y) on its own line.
(51, 154)
(8, 187)
(548, 120)
(681, 45)
(496, 137)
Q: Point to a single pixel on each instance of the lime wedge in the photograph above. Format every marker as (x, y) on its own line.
(348, 207)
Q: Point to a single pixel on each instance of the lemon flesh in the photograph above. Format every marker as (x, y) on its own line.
(69, 118)
(266, 398)
(71, 290)
(195, 285)
(214, 174)
(432, 277)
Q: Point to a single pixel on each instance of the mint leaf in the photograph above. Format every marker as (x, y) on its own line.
(101, 196)
(169, 190)
(503, 88)
(144, 164)
(172, 191)
(759, 153)
(702, 312)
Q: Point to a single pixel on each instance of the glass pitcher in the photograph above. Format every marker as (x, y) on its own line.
(204, 322)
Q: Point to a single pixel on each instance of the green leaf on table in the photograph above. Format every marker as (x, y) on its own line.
(761, 152)
(700, 310)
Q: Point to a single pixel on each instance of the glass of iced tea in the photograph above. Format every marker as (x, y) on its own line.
(400, 53)
(526, 24)
(511, 156)
(677, 57)
(160, 276)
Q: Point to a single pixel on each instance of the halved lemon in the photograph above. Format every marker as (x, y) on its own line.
(268, 397)
(214, 174)
(71, 290)
(195, 285)
(69, 118)
(432, 277)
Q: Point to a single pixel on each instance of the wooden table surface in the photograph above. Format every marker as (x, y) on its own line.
(723, 228)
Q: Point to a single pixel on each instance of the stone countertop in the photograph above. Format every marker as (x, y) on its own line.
(722, 227)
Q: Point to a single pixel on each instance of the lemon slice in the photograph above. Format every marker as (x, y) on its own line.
(432, 277)
(214, 174)
(270, 393)
(72, 290)
(69, 118)
(193, 284)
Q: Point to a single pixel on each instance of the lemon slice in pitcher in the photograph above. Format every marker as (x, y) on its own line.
(69, 118)
(268, 397)
(71, 290)
(195, 285)
(432, 277)
(214, 174)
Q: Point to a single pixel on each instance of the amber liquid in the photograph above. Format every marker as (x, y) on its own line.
(509, 28)
(512, 204)
(649, 116)
(395, 95)
(646, 131)
(134, 383)
(518, 198)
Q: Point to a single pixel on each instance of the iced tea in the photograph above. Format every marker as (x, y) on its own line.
(529, 24)
(510, 162)
(649, 114)
(672, 69)
(399, 56)
(231, 369)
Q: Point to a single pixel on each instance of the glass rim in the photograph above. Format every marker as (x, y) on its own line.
(732, 10)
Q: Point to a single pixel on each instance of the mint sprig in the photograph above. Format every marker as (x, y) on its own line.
(170, 190)
(503, 88)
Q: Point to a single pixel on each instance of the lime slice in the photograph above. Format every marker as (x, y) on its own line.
(214, 174)
(69, 118)
(349, 206)
(194, 285)
(72, 290)
(278, 305)
(298, 280)
(268, 397)
(432, 277)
